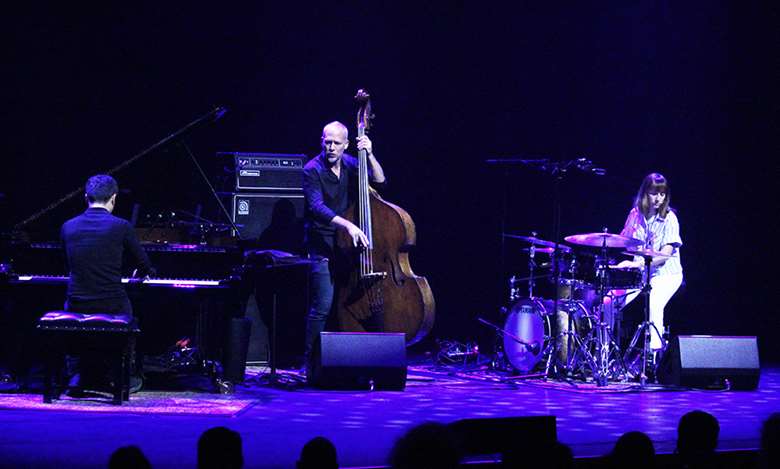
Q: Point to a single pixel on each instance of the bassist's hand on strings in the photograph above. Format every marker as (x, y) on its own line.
(359, 239)
(356, 234)
(377, 173)
(364, 143)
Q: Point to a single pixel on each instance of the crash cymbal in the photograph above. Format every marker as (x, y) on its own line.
(533, 240)
(599, 240)
(647, 253)
(547, 250)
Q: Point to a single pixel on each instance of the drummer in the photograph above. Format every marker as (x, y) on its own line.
(653, 222)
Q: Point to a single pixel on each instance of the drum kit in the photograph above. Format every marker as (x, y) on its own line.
(573, 335)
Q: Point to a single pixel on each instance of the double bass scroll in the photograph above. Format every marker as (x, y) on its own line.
(377, 291)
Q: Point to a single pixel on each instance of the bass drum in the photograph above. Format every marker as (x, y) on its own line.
(526, 333)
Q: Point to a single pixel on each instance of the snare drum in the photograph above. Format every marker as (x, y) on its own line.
(623, 279)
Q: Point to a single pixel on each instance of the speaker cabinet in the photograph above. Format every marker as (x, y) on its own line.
(236, 346)
(288, 293)
(359, 360)
(274, 221)
(705, 361)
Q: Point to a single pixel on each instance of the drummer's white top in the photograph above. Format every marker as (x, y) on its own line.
(655, 233)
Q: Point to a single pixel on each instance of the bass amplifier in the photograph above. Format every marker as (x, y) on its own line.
(273, 220)
(267, 171)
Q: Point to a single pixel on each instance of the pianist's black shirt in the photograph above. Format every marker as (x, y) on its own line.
(94, 244)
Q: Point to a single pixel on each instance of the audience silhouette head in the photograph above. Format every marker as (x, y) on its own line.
(633, 449)
(220, 448)
(318, 453)
(128, 457)
(697, 437)
(429, 445)
(770, 441)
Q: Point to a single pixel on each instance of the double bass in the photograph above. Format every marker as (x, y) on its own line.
(377, 291)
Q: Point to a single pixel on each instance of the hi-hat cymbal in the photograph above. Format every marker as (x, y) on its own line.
(533, 240)
(600, 240)
(548, 250)
(647, 253)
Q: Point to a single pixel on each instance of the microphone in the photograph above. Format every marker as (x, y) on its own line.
(219, 112)
(534, 348)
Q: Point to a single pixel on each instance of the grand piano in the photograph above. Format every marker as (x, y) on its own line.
(187, 306)
(201, 283)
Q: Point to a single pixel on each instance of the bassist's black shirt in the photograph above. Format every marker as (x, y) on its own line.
(327, 195)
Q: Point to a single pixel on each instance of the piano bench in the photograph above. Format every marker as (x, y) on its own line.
(110, 335)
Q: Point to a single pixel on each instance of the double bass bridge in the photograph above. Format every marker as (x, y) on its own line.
(372, 278)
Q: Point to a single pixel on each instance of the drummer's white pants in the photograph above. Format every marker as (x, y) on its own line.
(663, 288)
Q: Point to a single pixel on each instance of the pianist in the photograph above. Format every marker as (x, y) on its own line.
(94, 244)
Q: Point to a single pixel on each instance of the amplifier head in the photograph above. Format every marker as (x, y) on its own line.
(267, 171)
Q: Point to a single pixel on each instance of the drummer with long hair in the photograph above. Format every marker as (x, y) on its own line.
(655, 223)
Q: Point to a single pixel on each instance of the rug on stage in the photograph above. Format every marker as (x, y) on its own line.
(170, 403)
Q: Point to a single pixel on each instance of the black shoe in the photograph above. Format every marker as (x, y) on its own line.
(652, 366)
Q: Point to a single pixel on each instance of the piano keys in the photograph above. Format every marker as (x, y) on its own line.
(147, 282)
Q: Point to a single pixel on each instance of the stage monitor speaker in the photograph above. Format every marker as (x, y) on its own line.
(360, 360)
(274, 221)
(705, 361)
(528, 435)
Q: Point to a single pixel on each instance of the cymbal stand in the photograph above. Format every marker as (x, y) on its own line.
(531, 267)
(606, 349)
(646, 328)
(575, 346)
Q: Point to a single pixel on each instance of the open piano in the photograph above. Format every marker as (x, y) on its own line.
(199, 285)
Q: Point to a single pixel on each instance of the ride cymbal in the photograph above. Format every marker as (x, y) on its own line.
(601, 240)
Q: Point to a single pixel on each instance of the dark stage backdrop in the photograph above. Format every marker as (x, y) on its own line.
(682, 89)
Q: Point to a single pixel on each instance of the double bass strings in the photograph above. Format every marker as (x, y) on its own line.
(366, 255)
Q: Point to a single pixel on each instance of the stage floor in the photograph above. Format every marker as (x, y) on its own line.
(275, 421)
